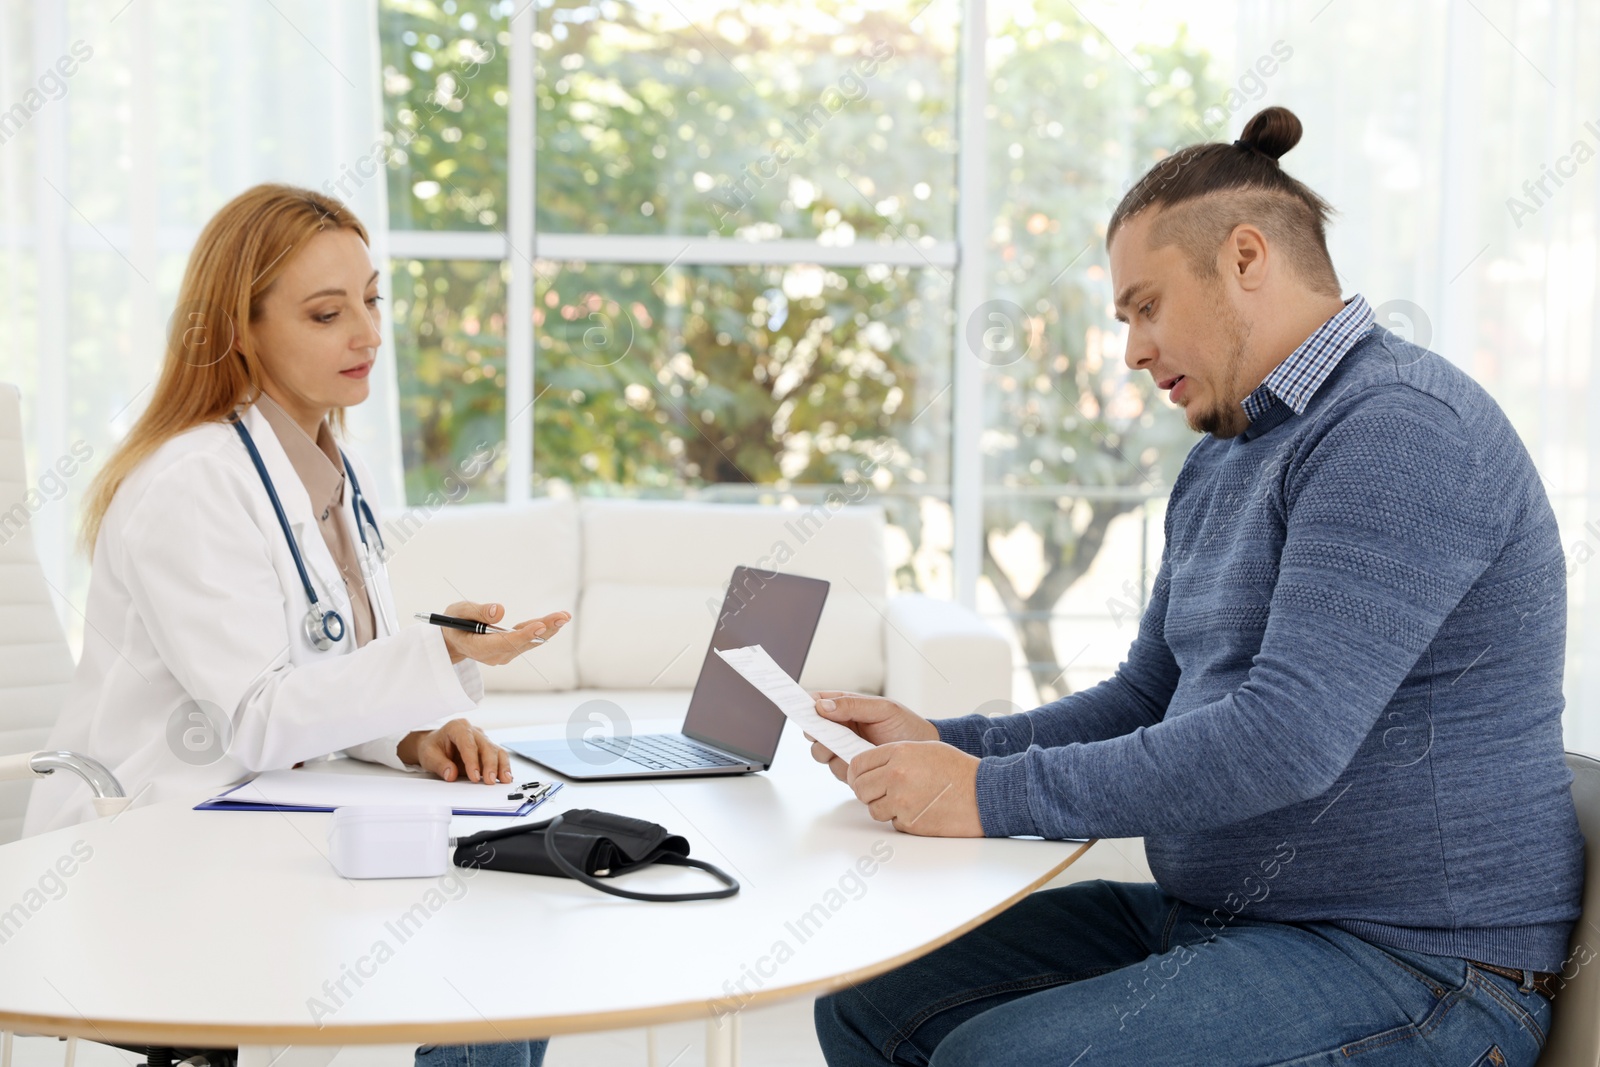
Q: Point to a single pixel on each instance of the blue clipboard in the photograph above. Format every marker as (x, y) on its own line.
(216, 803)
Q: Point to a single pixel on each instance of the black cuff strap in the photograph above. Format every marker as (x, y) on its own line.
(573, 872)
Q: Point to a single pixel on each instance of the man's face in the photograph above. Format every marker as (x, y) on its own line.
(1183, 329)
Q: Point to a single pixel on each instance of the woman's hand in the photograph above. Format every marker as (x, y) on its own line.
(454, 749)
(877, 719)
(495, 649)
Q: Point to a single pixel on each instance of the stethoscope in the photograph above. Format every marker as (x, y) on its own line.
(322, 628)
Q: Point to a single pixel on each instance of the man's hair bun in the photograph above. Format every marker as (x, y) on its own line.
(1220, 185)
(1272, 131)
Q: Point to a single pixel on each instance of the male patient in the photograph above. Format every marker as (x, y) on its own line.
(1338, 729)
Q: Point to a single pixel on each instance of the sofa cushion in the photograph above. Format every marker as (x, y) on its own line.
(585, 712)
(655, 572)
(524, 556)
(644, 636)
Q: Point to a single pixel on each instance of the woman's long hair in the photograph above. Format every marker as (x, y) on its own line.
(211, 365)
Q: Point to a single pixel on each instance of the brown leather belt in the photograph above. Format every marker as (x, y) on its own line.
(1546, 982)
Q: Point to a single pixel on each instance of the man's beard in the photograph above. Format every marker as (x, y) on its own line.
(1226, 417)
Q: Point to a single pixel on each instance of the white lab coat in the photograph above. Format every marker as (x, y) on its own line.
(194, 597)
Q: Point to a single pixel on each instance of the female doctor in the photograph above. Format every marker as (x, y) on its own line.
(239, 616)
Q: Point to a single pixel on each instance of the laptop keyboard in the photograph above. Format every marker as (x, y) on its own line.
(662, 752)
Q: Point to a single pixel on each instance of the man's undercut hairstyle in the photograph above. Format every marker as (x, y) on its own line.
(1206, 190)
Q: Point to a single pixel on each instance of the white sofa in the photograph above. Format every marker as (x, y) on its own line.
(644, 580)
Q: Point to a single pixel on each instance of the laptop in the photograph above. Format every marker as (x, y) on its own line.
(730, 728)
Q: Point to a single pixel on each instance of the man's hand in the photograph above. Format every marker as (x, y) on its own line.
(927, 788)
(877, 719)
(454, 749)
(495, 649)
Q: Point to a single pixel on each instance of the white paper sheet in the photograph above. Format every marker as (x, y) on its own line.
(760, 670)
(322, 790)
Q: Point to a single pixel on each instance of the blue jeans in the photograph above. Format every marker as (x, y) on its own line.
(509, 1054)
(1107, 974)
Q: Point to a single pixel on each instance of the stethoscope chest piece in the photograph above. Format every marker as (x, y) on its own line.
(323, 628)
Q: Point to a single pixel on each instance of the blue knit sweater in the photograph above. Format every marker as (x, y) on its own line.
(1344, 700)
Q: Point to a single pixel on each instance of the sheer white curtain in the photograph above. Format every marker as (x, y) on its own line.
(1460, 140)
(123, 127)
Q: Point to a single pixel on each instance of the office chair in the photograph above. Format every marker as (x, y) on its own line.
(1575, 1022)
(35, 661)
(37, 666)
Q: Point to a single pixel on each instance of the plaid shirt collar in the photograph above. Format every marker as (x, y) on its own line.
(1296, 379)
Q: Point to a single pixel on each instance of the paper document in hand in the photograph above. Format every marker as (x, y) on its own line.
(760, 670)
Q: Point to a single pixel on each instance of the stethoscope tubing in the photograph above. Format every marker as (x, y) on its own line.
(363, 510)
(358, 504)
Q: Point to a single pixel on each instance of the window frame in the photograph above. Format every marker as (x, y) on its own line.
(960, 261)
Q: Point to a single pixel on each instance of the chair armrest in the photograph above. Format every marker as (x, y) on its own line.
(109, 799)
(941, 659)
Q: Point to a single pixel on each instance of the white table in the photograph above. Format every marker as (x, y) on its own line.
(211, 929)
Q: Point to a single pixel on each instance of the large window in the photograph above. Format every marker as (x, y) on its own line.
(744, 273)
(736, 249)
(739, 262)
(728, 250)
(1077, 452)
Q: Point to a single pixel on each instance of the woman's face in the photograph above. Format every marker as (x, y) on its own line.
(317, 332)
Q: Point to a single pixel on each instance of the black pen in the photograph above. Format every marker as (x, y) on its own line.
(471, 626)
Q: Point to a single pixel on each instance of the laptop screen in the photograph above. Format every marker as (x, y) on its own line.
(777, 611)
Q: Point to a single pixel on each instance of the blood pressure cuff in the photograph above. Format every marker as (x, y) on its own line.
(588, 846)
